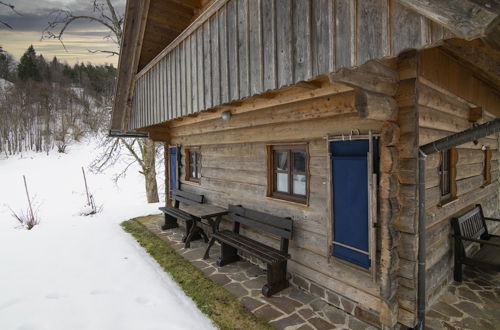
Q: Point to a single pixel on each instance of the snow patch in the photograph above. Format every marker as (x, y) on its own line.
(76, 272)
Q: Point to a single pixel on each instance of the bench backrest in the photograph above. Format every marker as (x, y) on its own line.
(278, 226)
(186, 197)
(470, 224)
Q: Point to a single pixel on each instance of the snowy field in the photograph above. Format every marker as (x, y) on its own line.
(75, 272)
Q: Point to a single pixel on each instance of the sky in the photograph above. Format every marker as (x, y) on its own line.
(81, 36)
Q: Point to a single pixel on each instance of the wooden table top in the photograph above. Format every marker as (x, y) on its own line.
(204, 211)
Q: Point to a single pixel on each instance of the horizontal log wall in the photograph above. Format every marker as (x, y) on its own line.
(250, 46)
(442, 113)
(234, 171)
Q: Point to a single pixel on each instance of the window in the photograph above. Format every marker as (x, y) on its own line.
(193, 164)
(447, 175)
(487, 166)
(288, 172)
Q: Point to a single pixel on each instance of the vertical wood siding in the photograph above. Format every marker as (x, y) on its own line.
(250, 46)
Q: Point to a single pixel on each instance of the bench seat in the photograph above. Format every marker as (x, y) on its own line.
(176, 213)
(232, 242)
(470, 228)
(267, 254)
(489, 254)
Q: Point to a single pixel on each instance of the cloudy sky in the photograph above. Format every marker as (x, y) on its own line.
(79, 38)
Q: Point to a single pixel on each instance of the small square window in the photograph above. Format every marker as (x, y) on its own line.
(447, 173)
(487, 166)
(288, 172)
(193, 164)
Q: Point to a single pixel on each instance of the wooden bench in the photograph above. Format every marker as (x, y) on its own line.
(232, 241)
(471, 228)
(174, 213)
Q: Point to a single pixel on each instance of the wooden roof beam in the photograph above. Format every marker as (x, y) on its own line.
(468, 19)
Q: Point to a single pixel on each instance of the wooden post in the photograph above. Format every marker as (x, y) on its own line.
(86, 187)
(28, 196)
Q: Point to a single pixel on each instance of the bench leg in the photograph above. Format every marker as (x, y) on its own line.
(229, 254)
(457, 268)
(207, 251)
(276, 279)
(170, 222)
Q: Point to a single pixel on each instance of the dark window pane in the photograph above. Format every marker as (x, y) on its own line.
(299, 161)
(281, 160)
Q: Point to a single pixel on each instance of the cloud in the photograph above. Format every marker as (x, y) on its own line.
(80, 36)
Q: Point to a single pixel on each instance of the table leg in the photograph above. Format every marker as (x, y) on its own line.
(207, 251)
(192, 231)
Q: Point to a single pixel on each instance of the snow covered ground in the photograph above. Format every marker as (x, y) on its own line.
(76, 272)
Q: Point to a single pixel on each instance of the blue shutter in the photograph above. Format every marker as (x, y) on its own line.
(174, 167)
(350, 200)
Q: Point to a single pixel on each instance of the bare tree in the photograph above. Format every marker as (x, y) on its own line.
(143, 151)
(11, 6)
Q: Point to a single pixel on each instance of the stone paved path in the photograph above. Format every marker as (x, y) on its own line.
(472, 304)
(290, 309)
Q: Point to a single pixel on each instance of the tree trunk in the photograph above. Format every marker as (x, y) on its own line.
(149, 158)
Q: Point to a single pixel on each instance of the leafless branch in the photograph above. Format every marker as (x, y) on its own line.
(12, 7)
(110, 52)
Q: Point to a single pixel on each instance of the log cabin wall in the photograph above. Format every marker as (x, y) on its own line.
(235, 171)
(450, 97)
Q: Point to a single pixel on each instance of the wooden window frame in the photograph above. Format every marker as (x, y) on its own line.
(197, 152)
(450, 177)
(487, 166)
(272, 172)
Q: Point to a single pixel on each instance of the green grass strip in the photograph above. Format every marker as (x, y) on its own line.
(221, 306)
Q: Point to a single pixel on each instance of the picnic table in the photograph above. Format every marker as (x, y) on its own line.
(212, 214)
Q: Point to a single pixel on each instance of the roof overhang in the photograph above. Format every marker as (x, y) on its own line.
(151, 25)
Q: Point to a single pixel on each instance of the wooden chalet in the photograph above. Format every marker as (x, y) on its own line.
(315, 110)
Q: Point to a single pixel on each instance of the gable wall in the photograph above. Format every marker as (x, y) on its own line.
(444, 102)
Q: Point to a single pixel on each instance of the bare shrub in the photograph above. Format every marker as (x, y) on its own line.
(27, 219)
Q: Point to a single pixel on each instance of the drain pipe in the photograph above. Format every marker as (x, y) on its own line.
(421, 240)
(446, 143)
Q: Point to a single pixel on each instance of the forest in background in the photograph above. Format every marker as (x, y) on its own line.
(46, 104)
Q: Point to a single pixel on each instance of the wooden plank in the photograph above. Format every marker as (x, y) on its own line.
(170, 81)
(261, 225)
(256, 50)
(207, 66)
(372, 30)
(443, 70)
(405, 25)
(320, 37)
(302, 57)
(194, 73)
(243, 48)
(233, 60)
(188, 77)
(434, 99)
(313, 128)
(325, 107)
(284, 42)
(269, 44)
(215, 60)
(344, 33)
(201, 72)
(430, 118)
(466, 19)
(266, 218)
(175, 94)
(224, 56)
